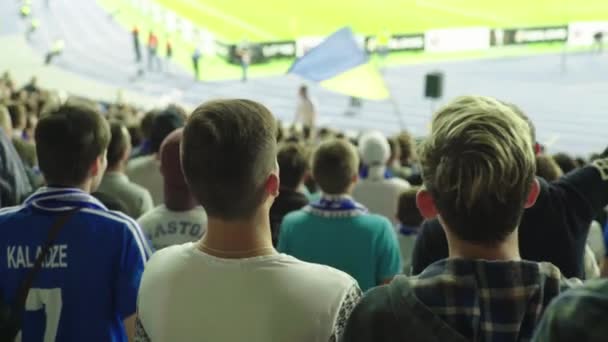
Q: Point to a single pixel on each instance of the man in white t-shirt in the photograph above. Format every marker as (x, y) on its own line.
(306, 111)
(180, 219)
(377, 190)
(145, 170)
(233, 285)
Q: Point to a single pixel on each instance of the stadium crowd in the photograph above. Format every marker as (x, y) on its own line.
(225, 225)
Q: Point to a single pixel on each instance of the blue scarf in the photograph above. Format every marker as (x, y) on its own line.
(407, 230)
(336, 206)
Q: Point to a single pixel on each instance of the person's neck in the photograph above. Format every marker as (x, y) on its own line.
(506, 250)
(86, 186)
(238, 239)
(119, 168)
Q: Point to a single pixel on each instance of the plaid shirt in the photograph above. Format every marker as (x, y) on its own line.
(459, 300)
(577, 315)
(490, 301)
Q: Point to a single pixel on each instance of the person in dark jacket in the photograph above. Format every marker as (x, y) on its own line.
(554, 230)
(478, 171)
(293, 167)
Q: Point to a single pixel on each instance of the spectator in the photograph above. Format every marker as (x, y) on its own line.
(137, 200)
(145, 170)
(111, 202)
(306, 111)
(233, 274)
(180, 219)
(478, 171)
(577, 315)
(293, 167)
(604, 271)
(18, 118)
(564, 211)
(15, 184)
(337, 231)
(6, 123)
(547, 168)
(145, 148)
(409, 224)
(96, 251)
(565, 162)
(378, 193)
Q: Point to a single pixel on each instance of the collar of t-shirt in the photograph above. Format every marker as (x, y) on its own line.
(62, 199)
(375, 172)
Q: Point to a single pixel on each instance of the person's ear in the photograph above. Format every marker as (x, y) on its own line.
(426, 204)
(354, 179)
(537, 149)
(98, 166)
(533, 194)
(273, 183)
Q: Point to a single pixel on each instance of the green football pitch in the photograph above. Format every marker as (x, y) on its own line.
(262, 20)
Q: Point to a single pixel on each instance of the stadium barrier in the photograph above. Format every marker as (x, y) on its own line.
(529, 35)
(458, 39)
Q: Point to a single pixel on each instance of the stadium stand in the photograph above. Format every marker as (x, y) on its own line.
(247, 226)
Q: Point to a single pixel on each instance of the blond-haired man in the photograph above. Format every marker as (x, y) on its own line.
(478, 171)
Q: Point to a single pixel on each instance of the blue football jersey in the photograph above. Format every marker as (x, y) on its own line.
(88, 282)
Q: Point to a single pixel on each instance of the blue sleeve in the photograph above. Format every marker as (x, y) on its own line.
(388, 255)
(131, 261)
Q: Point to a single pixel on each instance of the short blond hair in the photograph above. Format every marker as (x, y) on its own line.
(334, 164)
(478, 164)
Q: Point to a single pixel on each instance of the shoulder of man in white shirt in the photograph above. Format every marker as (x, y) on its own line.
(174, 257)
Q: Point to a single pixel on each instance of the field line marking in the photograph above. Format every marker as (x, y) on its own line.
(233, 20)
(463, 12)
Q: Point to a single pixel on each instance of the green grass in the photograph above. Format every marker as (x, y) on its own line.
(261, 20)
(398, 16)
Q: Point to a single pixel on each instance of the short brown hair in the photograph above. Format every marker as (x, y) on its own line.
(547, 168)
(406, 147)
(228, 151)
(68, 140)
(334, 164)
(119, 143)
(407, 211)
(478, 165)
(293, 164)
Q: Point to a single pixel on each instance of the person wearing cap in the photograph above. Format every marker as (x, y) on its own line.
(378, 191)
(180, 219)
(145, 170)
(137, 200)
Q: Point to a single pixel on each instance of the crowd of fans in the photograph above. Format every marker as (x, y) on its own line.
(223, 224)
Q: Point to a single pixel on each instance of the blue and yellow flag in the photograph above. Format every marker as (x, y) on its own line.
(341, 65)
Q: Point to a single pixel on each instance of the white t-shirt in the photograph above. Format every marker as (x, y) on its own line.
(145, 171)
(406, 246)
(306, 112)
(166, 228)
(380, 195)
(188, 295)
